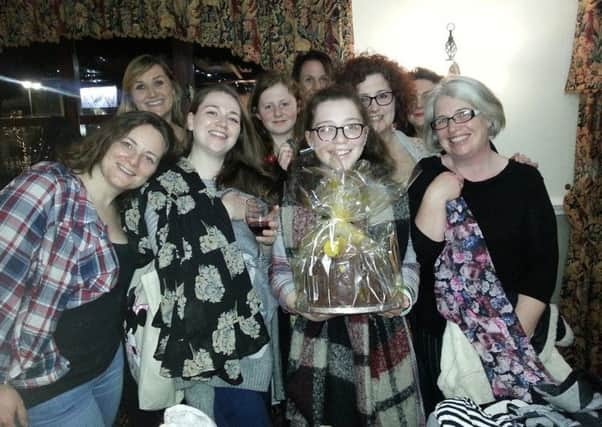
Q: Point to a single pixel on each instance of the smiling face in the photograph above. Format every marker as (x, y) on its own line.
(416, 117)
(131, 160)
(462, 140)
(277, 110)
(152, 91)
(341, 151)
(381, 116)
(313, 77)
(216, 124)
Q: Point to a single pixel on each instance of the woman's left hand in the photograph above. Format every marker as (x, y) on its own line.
(269, 234)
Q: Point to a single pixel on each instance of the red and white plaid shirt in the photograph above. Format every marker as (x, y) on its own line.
(55, 254)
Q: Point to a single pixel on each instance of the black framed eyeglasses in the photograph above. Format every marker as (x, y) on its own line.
(328, 133)
(461, 116)
(382, 99)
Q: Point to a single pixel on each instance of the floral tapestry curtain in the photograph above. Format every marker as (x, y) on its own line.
(267, 32)
(581, 297)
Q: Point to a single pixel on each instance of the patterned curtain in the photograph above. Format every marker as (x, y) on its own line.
(581, 297)
(267, 32)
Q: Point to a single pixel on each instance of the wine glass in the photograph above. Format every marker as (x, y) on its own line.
(257, 215)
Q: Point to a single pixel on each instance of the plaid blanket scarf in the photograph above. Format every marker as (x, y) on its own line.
(357, 370)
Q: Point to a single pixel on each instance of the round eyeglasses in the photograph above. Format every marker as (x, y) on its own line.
(328, 133)
(382, 99)
(461, 116)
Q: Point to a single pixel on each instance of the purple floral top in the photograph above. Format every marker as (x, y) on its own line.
(469, 294)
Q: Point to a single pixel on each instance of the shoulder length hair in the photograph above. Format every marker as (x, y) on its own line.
(312, 55)
(264, 82)
(140, 65)
(81, 157)
(243, 166)
(375, 150)
(471, 91)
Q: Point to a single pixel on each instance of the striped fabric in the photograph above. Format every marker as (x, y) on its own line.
(464, 412)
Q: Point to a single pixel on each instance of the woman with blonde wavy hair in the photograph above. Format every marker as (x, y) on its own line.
(149, 85)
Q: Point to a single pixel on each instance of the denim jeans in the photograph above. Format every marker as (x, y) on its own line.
(235, 407)
(92, 404)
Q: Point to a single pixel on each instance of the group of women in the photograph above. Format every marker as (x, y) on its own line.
(69, 242)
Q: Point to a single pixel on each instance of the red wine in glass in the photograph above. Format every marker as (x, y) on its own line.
(258, 226)
(256, 216)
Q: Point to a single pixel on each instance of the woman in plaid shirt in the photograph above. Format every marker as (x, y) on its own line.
(61, 244)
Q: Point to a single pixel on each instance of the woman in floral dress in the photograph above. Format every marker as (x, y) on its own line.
(216, 313)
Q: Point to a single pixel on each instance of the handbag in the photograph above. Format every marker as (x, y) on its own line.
(462, 373)
(154, 391)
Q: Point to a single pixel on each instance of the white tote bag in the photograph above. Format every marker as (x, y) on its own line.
(154, 391)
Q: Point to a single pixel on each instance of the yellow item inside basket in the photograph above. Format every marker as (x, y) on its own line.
(333, 248)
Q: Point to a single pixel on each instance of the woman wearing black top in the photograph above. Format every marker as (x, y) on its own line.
(508, 200)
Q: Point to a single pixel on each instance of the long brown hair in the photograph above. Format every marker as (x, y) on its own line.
(81, 157)
(263, 83)
(243, 166)
(375, 150)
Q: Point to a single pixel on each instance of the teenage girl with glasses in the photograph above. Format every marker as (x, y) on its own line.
(362, 362)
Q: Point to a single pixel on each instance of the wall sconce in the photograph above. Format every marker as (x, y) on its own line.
(451, 48)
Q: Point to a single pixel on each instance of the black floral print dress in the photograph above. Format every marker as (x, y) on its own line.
(209, 314)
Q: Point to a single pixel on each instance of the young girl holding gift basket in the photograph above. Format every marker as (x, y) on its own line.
(351, 347)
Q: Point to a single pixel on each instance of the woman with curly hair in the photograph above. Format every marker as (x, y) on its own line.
(387, 92)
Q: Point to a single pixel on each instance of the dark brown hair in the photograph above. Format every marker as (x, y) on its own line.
(420, 73)
(375, 150)
(81, 157)
(312, 55)
(243, 166)
(357, 69)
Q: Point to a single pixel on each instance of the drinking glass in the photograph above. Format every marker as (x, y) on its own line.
(257, 215)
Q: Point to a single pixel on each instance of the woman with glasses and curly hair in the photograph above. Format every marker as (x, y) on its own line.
(388, 94)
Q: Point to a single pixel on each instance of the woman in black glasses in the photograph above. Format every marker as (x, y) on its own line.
(387, 92)
(468, 195)
(350, 366)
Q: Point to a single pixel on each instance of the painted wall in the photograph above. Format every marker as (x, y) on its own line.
(520, 49)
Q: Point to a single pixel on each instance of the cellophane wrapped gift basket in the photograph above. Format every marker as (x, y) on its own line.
(348, 263)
